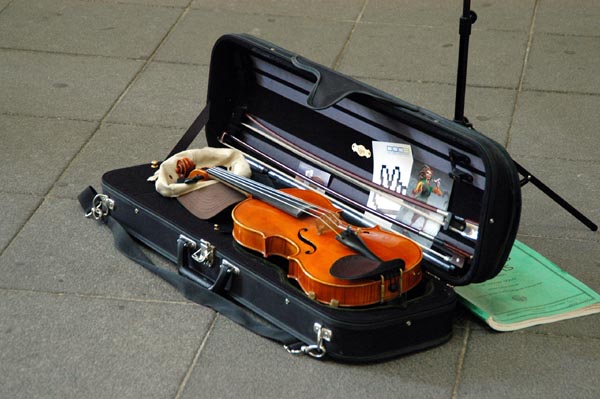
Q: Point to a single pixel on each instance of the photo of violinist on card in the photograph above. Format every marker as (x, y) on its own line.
(432, 187)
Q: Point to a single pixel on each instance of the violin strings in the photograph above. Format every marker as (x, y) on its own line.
(324, 215)
(284, 198)
(269, 192)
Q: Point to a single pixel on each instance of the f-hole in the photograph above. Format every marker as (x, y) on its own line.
(307, 242)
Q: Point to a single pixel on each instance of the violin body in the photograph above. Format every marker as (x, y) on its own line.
(311, 248)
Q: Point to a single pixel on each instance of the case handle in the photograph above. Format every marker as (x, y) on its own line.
(331, 87)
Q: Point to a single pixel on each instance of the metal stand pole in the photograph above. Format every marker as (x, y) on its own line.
(467, 19)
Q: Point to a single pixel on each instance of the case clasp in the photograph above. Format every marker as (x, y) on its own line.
(205, 255)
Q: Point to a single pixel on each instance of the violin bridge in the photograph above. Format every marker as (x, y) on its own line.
(321, 226)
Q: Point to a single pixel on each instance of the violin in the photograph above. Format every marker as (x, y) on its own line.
(332, 261)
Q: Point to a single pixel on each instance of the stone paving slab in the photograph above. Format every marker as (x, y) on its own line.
(60, 346)
(38, 150)
(259, 368)
(193, 38)
(57, 85)
(164, 95)
(430, 54)
(115, 146)
(96, 28)
(564, 63)
(564, 17)
(60, 251)
(556, 125)
(523, 365)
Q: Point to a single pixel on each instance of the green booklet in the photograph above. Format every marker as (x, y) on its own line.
(530, 290)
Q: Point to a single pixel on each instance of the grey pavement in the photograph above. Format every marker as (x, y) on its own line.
(88, 86)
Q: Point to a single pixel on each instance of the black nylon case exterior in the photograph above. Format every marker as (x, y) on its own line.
(326, 112)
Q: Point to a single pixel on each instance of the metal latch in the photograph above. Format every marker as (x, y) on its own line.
(459, 159)
(101, 206)
(318, 350)
(205, 255)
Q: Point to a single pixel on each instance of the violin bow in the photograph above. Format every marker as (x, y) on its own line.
(450, 221)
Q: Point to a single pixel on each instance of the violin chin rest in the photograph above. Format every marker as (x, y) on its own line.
(358, 267)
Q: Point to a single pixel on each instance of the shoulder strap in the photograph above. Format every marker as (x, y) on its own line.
(189, 136)
(190, 290)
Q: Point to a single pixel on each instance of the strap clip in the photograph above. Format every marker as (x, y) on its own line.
(101, 207)
(318, 350)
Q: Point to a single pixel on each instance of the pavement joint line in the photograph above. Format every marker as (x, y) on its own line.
(51, 117)
(548, 334)
(187, 63)
(338, 59)
(268, 14)
(70, 119)
(39, 196)
(554, 158)
(96, 296)
(137, 4)
(580, 240)
(194, 362)
(147, 125)
(564, 34)
(509, 133)
(461, 359)
(5, 7)
(68, 53)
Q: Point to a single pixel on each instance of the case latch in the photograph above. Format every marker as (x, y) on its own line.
(458, 159)
(205, 255)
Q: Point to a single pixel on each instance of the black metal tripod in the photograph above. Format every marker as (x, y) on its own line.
(467, 19)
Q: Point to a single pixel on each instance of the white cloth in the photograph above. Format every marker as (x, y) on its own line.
(166, 178)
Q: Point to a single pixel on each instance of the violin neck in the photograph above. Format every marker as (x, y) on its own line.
(280, 200)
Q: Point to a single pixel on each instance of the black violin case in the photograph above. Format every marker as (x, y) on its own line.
(335, 119)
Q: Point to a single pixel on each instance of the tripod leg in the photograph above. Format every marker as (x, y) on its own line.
(528, 177)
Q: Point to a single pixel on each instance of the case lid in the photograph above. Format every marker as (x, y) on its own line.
(294, 114)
